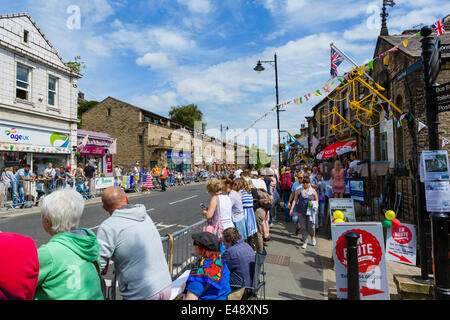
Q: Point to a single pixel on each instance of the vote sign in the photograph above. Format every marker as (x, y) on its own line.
(401, 244)
(371, 259)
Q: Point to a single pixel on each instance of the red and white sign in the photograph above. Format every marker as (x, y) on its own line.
(371, 259)
(336, 149)
(401, 244)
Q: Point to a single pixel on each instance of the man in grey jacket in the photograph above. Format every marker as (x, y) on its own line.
(130, 238)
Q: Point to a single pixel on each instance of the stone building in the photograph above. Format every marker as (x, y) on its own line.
(141, 135)
(38, 98)
(152, 139)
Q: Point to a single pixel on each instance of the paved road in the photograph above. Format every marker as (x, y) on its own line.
(172, 210)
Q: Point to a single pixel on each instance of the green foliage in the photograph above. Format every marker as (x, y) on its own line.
(76, 65)
(187, 115)
(83, 107)
(296, 136)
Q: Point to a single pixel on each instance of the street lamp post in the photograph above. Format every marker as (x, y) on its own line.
(224, 159)
(260, 68)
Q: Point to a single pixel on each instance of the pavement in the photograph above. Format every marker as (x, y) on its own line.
(305, 274)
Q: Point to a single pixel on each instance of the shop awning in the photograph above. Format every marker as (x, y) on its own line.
(336, 149)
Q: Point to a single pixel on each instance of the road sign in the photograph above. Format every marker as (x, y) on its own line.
(443, 97)
(373, 279)
(401, 244)
(402, 74)
(435, 60)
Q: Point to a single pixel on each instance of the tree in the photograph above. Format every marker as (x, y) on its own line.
(187, 115)
(76, 65)
(83, 107)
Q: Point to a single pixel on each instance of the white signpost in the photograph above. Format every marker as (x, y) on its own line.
(373, 282)
(401, 244)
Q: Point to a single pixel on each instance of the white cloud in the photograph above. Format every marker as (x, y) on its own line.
(198, 6)
(156, 60)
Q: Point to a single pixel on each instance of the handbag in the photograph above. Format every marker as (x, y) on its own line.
(217, 228)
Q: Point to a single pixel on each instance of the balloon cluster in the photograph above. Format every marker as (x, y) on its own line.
(338, 217)
(390, 220)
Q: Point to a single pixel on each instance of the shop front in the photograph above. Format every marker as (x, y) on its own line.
(98, 149)
(179, 161)
(22, 144)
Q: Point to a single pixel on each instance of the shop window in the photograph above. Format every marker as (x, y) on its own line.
(23, 82)
(52, 91)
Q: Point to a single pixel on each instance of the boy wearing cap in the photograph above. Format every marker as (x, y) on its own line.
(210, 279)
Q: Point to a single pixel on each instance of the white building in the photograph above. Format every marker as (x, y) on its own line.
(38, 98)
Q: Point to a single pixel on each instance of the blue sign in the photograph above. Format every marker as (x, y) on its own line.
(357, 189)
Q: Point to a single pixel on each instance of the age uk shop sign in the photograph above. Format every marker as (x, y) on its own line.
(373, 282)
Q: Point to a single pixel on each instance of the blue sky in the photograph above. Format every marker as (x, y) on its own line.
(162, 53)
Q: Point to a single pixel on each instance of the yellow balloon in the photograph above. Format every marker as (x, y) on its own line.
(390, 215)
(339, 221)
(338, 214)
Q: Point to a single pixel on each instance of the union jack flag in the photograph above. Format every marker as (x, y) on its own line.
(439, 27)
(336, 60)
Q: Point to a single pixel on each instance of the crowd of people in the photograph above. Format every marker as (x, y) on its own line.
(15, 183)
(241, 210)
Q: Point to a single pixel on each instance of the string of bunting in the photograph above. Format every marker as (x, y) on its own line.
(438, 26)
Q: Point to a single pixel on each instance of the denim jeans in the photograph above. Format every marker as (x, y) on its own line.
(321, 213)
(286, 195)
(15, 192)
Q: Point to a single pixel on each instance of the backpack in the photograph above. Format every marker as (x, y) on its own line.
(286, 182)
(266, 198)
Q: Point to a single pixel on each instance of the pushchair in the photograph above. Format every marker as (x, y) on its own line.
(83, 189)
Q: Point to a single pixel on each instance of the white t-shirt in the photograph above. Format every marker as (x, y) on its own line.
(118, 172)
(354, 165)
(50, 172)
(259, 184)
(225, 206)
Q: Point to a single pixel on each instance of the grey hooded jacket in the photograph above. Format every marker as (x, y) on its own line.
(130, 238)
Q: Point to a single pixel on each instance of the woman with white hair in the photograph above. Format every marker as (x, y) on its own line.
(69, 262)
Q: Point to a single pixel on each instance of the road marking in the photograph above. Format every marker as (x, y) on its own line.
(183, 199)
(148, 210)
(94, 227)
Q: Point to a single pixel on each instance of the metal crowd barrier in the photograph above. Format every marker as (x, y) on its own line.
(178, 248)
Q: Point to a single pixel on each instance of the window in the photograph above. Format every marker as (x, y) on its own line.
(109, 112)
(147, 119)
(25, 36)
(22, 82)
(52, 91)
(141, 139)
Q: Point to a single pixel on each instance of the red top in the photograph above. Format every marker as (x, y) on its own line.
(19, 267)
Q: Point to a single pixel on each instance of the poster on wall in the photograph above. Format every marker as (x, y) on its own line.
(437, 195)
(434, 165)
(357, 189)
(347, 206)
(373, 281)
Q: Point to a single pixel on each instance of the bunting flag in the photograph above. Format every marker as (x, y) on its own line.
(386, 60)
(397, 123)
(370, 65)
(445, 142)
(402, 116)
(292, 139)
(405, 43)
(420, 126)
(287, 147)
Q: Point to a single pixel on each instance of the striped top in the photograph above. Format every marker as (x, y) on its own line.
(247, 199)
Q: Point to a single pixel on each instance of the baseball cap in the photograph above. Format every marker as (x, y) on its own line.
(208, 240)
